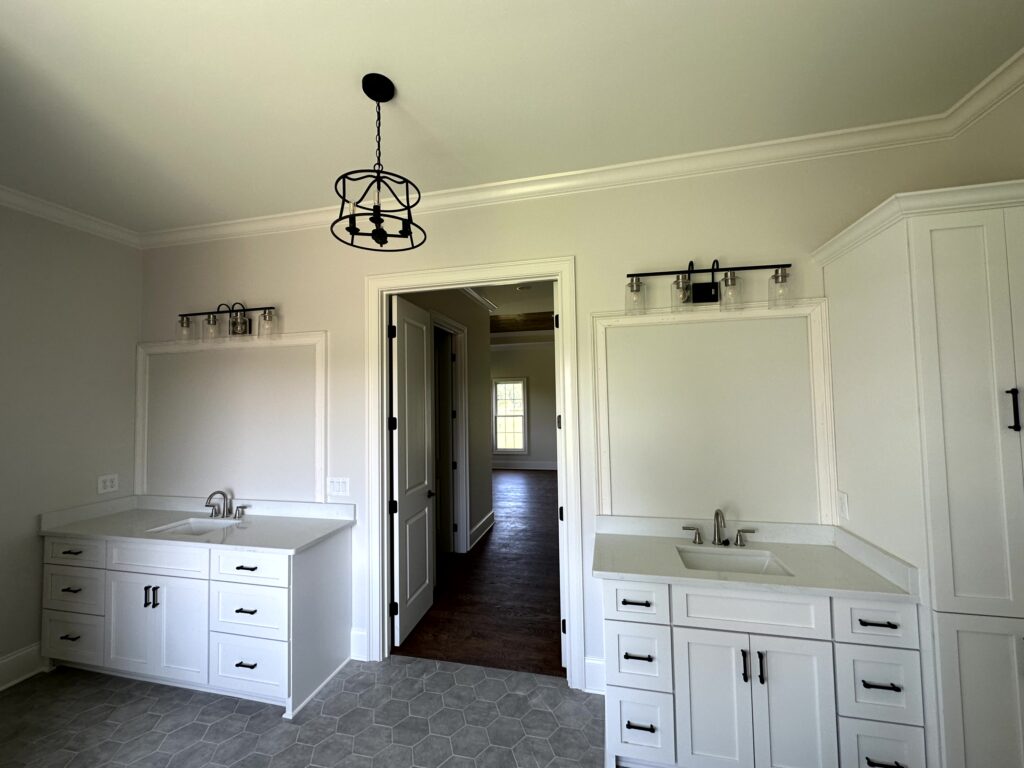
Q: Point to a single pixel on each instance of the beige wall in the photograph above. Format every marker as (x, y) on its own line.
(536, 362)
(760, 214)
(67, 391)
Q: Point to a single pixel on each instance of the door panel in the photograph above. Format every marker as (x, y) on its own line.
(127, 636)
(412, 464)
(179, 629)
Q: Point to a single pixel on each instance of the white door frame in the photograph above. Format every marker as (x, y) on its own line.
(460, 434)
(561, 270)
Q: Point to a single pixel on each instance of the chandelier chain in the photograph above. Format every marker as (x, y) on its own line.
(377, 166)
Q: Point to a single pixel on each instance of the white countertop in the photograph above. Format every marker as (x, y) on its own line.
(814, 567)
(287, 535)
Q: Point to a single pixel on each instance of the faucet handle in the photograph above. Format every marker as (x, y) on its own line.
(740, 540)
(697, 538)
(214, 508)
(240, 511)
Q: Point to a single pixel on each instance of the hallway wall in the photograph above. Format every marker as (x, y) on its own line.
(536, 362)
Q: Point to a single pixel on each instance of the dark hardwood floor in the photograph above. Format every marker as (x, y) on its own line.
(497, 605)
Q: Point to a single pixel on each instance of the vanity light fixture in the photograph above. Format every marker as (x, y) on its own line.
(374, 200)
(238, 322)
(705, 292)
(779, 281)
(636, 295)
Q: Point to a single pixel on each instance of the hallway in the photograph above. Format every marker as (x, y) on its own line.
(498, 605)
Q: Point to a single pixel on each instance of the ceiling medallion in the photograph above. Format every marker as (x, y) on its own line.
(376, 205)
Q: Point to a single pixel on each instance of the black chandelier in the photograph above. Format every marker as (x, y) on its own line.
(376, 205)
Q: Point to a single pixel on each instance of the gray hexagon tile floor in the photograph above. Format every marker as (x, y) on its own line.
(401, 713)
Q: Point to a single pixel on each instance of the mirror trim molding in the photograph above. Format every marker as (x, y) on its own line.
(814, 311)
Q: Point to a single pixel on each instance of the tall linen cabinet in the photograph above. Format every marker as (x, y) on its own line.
(926, 301)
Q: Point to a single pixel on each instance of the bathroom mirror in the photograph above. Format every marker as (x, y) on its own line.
(706, 408)
(242, 414)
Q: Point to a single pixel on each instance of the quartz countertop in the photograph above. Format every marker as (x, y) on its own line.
(814, 567)
(287, 535)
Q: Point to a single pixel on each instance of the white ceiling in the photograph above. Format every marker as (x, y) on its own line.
(520, 298)
(156, 115)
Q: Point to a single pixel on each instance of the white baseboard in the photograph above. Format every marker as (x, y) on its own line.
(498, 462)
(593, 674)
(15, 667)
(359, 648)
(480, 529)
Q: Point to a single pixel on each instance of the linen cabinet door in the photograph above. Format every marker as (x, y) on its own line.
(793, 691)
(967, 374)
(128, 646)
(712, 684)
(179, 625)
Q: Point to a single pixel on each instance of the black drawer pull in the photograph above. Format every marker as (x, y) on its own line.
(760, 667)
(246, 611)
(72, 638)
(75, 552)
(745, 673)
(156, 602)
(246, 567)
(644, 604)
(634, 727)
(72, 590)
(883, 624)
(243, 665)
(882, 686)
(631, 657)
(875, 764)
(1013, 393)
(149, 600)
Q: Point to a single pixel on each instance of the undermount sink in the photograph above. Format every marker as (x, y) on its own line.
(195, 526)
(732, 560)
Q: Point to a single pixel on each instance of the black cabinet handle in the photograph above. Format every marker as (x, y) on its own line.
(246, 611)
(631, 657)
(246, 567)
(74, 552)
(883, 624)
(760, 667)
(73, 591)
(148, 602)
(745, 660)
(156, 590)
(243, 665)
(72, 638)
(644, 604)
(634, 727)
(876, 764)
(1013, 393)
(882, 686)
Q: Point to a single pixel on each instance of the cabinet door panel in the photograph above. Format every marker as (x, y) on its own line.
(713, 716)
(127, 645)
(179, 629)
(795, 706)
(966, 350)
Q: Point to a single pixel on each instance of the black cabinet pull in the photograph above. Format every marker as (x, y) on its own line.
(156, 590)
(243, 665)
(246, 611)
(73, 591)
(631, 657)
(644, 604)
(148, 602)
(883, 624)
(246, 567)
(634, 727)
(882, 686)
(72, 638)
(760, 667)
(745, 660)
(1013, 393)
(876, 764)
(74, 552)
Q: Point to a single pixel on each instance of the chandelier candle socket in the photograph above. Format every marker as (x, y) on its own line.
(376, 205)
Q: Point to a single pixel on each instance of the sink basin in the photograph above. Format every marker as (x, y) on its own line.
(195, 526)
(732, 560)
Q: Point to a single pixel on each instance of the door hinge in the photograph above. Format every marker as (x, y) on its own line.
(392, 423)
(453, 357)
(394, 609)
(453, 414)
(558, 421)
(561, 513)
(392, 331)
(455, 527)
(563, 626)
(393, 507)
(455, 465)
(556, 321)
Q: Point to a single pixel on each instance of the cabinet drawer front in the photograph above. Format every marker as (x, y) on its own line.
(759, 612)
(67, 588)
(893, 625)
(72, 637)
(267, 568)
(249, 665)
(879, 683)
(630, 717)
(884, 743)
(159, 559)
(638, 655)
(87, 552)
(246, 609)
(636, 601)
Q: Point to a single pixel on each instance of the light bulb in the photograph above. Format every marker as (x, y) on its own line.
(636, 296)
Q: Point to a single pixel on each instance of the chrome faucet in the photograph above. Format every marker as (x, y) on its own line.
(719, 527)
(215, 509)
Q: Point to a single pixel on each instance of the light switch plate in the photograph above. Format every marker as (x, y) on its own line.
(338, 486)
(844, 505)
(107, 483)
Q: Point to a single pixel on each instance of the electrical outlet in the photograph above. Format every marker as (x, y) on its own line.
(338, 486)
(844, 505)
(107, 483)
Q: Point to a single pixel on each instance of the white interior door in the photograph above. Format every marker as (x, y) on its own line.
(412, 464)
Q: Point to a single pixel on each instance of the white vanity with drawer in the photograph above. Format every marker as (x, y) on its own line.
(816, 668)
(258, 610)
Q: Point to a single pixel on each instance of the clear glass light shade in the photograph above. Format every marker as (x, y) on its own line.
(211, 328)
(268, 325)
(636, 296)
(185, 329)
(680, 293)
(779, 282)
(730, 291)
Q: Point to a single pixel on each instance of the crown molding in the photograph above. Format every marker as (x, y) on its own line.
(44, 209)
(976, 197)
